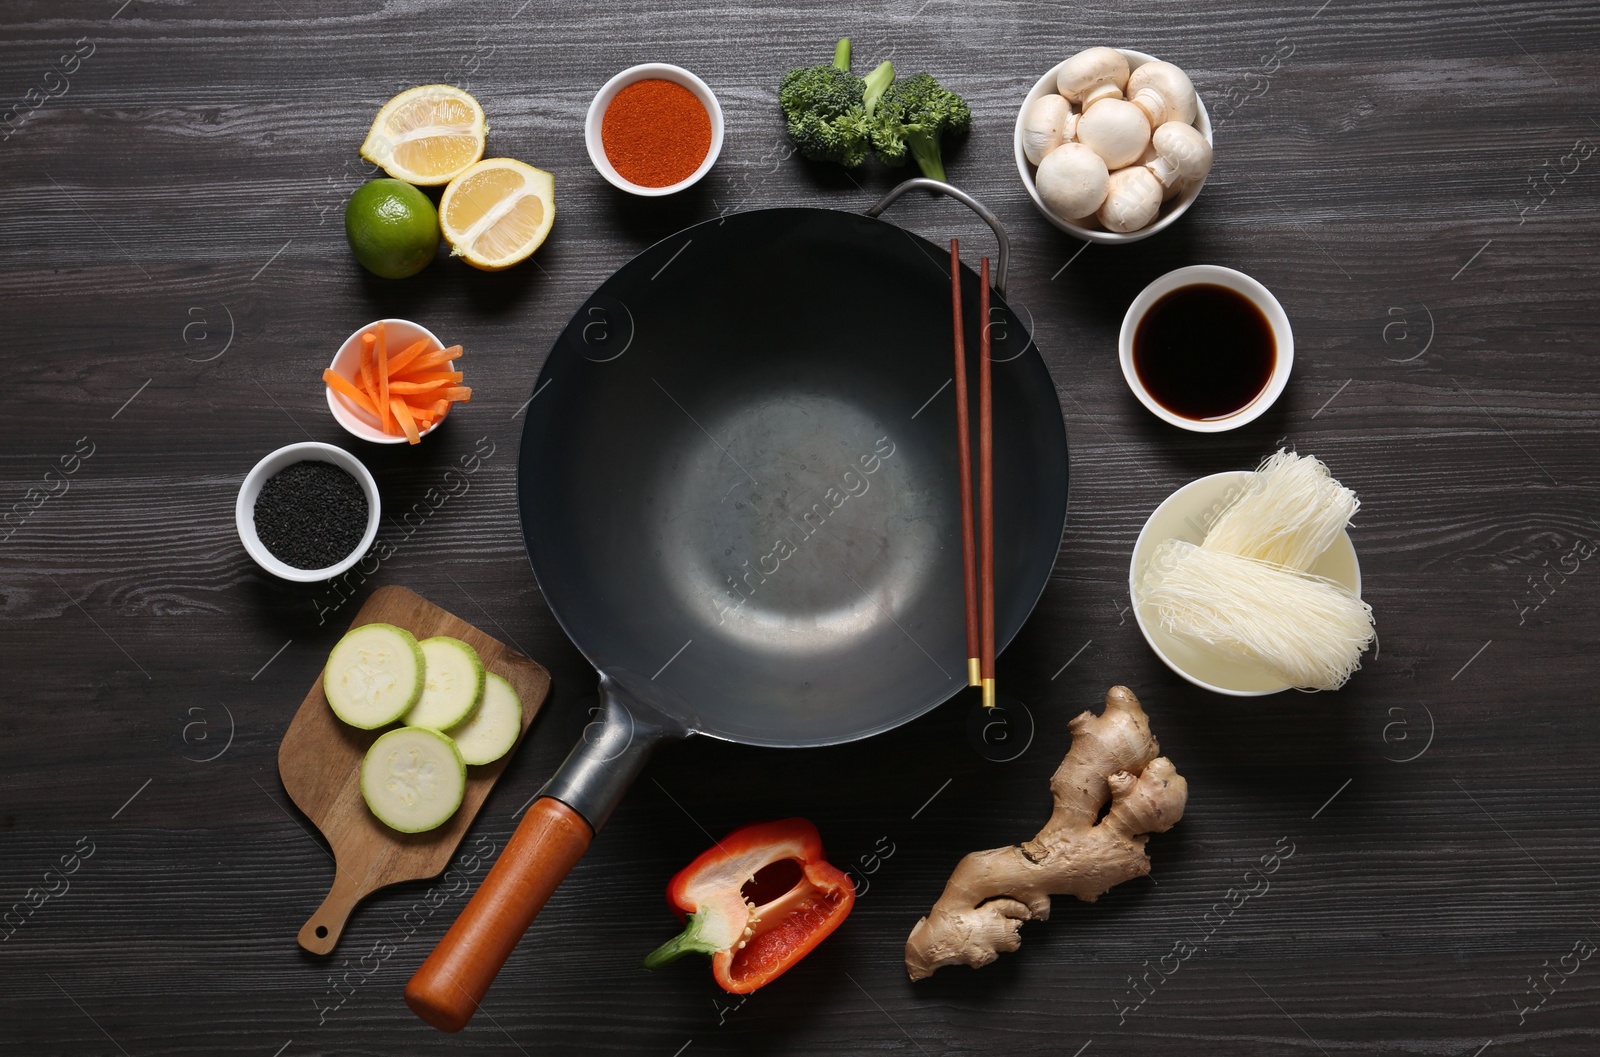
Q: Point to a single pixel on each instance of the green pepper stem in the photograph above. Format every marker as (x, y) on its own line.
(689, 941)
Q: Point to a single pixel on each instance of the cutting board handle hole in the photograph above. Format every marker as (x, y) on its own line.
(322, 932)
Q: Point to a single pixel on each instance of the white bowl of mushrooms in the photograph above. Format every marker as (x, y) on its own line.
(1113, 145)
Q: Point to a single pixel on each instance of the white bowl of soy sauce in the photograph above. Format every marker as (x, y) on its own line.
(1206, 348)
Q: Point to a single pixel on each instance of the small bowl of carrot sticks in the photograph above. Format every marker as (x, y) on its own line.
(394, 381)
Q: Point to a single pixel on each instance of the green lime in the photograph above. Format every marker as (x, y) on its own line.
(392, 227)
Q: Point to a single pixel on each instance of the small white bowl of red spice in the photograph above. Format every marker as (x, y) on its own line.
(654, 129)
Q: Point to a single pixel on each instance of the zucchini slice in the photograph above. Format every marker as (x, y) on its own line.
(451, 685)
(373, 675)
(413, 779)
(492, 729)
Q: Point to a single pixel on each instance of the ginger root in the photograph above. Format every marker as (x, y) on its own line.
(991, 893)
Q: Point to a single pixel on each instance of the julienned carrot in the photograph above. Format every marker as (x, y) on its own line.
(421, 406)
(368, 383)
(435, 358)
(402, 415)
(382, 369)
(409, 388)
(426, 376)
(345, 387)
(399, 362)
(401, 391)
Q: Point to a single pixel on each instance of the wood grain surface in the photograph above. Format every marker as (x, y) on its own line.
(319, 762)
(1413, 179)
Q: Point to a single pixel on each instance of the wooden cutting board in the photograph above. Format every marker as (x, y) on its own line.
(320, 763)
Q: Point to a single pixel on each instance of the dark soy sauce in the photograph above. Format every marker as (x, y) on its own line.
(1204, 351)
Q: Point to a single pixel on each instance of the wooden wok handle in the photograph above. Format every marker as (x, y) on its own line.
(548, 842)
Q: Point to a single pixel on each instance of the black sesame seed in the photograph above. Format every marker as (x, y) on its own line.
(311, 515)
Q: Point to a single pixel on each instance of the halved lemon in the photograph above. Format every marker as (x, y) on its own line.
(427, 135)
(497, 212)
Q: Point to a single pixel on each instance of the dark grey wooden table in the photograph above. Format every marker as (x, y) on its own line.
(1414, 180)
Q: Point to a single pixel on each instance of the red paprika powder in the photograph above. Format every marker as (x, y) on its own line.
(655, 133)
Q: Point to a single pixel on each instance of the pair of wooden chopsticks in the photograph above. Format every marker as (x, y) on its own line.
(978, 571)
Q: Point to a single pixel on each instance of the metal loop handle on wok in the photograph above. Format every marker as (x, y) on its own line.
(940, 187)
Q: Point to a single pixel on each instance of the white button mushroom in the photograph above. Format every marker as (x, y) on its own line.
(1182, 155)
(1163, 92)
(1090, 69)
(1097, 93)
(1149, 156)
(1072, 181)
(1133, 198)
(1117, 130)
(1048, 123)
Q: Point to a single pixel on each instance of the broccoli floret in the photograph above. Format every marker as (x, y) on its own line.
(877, 82)
(912, 118)
(828, 110)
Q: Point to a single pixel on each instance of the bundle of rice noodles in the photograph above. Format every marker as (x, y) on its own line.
(1309, 630)
(1291, 511)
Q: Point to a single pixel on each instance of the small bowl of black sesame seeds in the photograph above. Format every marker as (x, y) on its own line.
(308, 512)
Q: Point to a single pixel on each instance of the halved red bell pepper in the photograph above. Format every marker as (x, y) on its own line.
(753, 943)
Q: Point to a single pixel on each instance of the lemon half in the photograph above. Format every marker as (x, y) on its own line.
(497, 212)
(427, 135)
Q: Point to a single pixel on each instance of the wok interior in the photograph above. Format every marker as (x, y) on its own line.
(736, 483)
